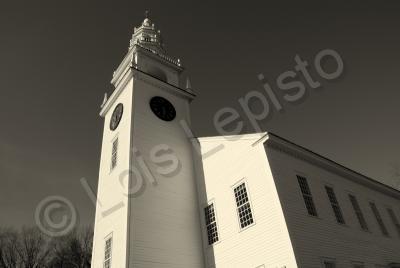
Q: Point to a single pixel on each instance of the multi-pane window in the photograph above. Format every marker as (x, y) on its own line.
(114, 154)
(329, 264)
(107, 253)
(358, 212)
(308, 200)
(394, 219)
(211, 224)
(379, 219)
(334, 204)
(358, 265)
(243, 206)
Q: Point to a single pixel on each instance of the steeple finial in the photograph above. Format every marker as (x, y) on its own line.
(148, 36)
(147, 22)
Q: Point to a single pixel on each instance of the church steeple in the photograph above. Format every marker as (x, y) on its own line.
(146, 54)
(143, 127)
(148, 36)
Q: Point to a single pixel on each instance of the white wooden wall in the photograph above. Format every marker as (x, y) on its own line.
(164, 218)
(110, 192)
(267, 241)
(320, 237)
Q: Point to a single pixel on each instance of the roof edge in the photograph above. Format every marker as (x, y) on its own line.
(282, 144)
(249, 136)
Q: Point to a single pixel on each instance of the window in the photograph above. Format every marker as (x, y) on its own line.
(243, 206)
(308, 200)
(211, 224)
(379, 219)
(394, 220)
(335, 204)
(328, 264)
(107, 252)
(114, 154)
(356, 264)
(358, 212)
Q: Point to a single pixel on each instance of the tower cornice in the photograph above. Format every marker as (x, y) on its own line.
(146, 52)
(280, 144)
(132, 72)
(131, 59)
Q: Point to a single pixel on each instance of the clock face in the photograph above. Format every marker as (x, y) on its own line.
(162, 108)
(116, 116)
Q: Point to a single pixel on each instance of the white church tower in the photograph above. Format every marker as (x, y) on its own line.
(147, 212)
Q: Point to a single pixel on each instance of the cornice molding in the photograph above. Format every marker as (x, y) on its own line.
(145, 77)
(281, 145)
(129, 60)
(174, 64)
(124, 79)
(137, 74)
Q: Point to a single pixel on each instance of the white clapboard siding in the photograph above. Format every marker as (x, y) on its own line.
(320, 237)
(267, 241)
(110, 193)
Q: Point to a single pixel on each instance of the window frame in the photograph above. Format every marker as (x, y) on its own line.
(357, 264)
(306, 195)
(211, 202)
(108, 237)
(326, 259)
(237, 184)
(394, 219)
(340, 220)
(115, 139)
(358, 212)
(378, 218)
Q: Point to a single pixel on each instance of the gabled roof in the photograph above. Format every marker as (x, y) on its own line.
(276, 142)
(273, 141)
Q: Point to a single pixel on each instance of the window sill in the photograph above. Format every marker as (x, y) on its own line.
(247, 227)
(314, 217)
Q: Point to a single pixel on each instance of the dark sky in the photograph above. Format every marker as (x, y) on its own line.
(57, 60)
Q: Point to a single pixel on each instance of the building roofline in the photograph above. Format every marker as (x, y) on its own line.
(287, 146)
(300, 149)
(249, 136)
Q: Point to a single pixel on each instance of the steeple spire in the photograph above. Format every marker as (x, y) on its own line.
(148, 36)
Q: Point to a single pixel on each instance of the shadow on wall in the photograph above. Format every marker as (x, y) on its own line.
(157, 73)
(209, 255)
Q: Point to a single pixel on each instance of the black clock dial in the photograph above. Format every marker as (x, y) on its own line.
(116, 116)
(162, 108)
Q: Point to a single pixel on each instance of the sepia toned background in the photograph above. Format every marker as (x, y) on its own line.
(57, 60)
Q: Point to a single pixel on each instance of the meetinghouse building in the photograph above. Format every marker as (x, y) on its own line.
(168, 199)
